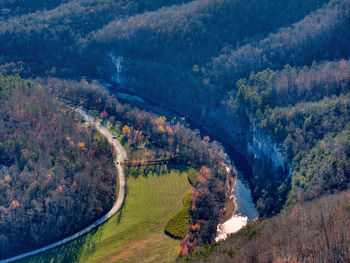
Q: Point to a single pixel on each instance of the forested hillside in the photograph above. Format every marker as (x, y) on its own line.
(270, 78)
(301, 56)
(55, 175)
(315, 231)
(306, 112)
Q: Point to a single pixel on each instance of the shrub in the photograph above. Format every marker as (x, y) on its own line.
(177, 225)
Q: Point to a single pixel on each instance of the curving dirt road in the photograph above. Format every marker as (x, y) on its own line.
(120, 156)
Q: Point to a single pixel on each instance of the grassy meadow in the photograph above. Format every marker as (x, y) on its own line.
(136, 233)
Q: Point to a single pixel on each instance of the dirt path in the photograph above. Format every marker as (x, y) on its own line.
(120, 156)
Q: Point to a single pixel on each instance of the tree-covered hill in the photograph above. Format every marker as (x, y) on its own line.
(55, 175)
(315, 231)
(306, 112)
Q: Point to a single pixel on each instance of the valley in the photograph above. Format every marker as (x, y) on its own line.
(174, 131)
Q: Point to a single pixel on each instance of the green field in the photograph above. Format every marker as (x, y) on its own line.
(136, 234)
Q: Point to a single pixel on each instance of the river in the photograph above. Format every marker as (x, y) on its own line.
(245, 210)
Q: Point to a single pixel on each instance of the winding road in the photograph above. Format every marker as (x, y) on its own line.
(120, 156)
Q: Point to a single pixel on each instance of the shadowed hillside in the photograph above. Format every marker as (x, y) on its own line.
(269, 79)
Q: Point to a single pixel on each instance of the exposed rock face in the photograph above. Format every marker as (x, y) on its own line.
(261, 146)
(246, 138)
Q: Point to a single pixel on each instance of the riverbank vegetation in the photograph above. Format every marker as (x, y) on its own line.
(314, 231)
(56, 176)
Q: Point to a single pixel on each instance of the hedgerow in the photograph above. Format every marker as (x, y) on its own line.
(177, 225)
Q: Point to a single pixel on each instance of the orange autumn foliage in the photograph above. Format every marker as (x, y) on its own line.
(15, 204)
(126, 130)
(160, 120)
(196, 227)
(179, 251)
(169, 130)
(160, 128)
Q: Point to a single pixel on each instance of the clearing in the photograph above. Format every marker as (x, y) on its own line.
(136, 233)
